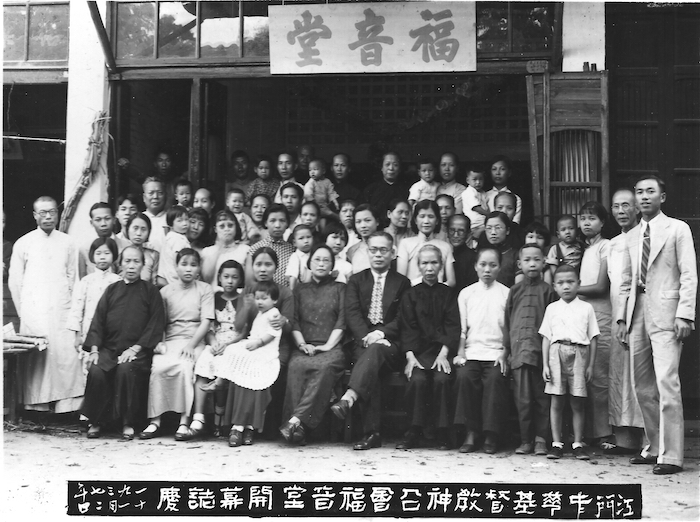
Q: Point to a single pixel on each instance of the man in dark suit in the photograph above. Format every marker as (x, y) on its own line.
(372, 301)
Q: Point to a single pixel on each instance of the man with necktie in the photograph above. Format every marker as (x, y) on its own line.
(656, 312)
(372, 302)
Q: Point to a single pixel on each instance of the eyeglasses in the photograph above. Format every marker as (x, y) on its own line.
(379, 250)
(45, 213)
(457, 231)
(623, 206)
(495, 228)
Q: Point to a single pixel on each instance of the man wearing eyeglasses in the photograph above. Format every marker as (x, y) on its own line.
(458, 231)
(43, 272)
(625, 415)
(372, 302)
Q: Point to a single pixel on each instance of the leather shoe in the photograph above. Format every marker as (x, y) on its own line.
(235, 438)
(145, 435)
(467, 448)
(299, 435)
(341, 409)
(410, 440)
(247, 437)
(372, 440)
(666, 469)
(490, 447)
(638, 459)
(287, 431)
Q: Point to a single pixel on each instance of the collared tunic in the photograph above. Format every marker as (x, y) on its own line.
(429, 320)
(43, 271)
(319, 308)
(482, 315)
(525, 308)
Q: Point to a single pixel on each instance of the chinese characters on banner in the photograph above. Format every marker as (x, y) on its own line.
(360, 499)
(373, 38)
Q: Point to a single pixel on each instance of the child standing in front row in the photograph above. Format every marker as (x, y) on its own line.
(222, 333)
(252, 366)
(235, 201)
(179, 221)
(569, 249)
(320, 189)
(427, 187)
(475, 202)
(569, 334)
(527, 301)
(297, 269)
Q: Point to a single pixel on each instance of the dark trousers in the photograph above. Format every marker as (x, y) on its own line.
(532, 403)
(370, 363)
(481, 395)
(428, 398)
(121, 393)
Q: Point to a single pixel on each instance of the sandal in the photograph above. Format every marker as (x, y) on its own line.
(150, 434)
(93, 431)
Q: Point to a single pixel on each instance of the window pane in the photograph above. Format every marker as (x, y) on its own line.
(136, 30)
(14, 20)
(177, 30)
(220, 29)
(48, 32)
(533, 27)
(492, 28)
(256, 29)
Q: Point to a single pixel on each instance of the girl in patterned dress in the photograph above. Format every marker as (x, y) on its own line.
(223, 333)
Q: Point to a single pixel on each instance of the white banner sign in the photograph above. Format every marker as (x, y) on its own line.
(373, 38)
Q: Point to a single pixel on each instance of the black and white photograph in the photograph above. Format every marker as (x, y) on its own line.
(359, 259)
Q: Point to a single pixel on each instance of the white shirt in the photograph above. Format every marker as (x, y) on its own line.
(574, 321)
(158, 226)
(482, 311)
(492, 202)
(297, 267)
(473, 198)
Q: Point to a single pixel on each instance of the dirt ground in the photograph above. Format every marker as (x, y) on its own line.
(38, 460)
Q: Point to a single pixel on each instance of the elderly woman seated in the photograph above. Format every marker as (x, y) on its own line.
(127, 325)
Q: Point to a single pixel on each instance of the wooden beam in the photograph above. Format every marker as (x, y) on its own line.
(604, 138)
(24, 76)
(104, 39)
(195, 132)
(534, 153)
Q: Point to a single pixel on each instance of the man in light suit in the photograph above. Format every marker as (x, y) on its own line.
(372, 301)
(656, 312)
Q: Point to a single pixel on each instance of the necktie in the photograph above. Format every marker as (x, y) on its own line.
(646, 247)
(375, 306)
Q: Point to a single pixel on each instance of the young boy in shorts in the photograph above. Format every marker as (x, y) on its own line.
(569, 330)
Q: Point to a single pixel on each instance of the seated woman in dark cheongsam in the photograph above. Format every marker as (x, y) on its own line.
(319, 361)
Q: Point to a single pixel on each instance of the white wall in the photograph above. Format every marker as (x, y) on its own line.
(87, 96)
(583, 35)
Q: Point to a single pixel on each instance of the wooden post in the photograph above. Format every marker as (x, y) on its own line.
(534, 153)
(604, 139)
(195, 132)
(546, 147)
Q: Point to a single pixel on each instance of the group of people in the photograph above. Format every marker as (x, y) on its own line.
(263, 305)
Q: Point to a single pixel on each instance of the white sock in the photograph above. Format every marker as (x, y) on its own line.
(250, 427)
(349, 396)
(559, 445)
(295, 420)
(237, 428)
(577, 445)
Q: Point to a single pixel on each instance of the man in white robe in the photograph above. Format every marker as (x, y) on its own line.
(43, 273)
(625, 414)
